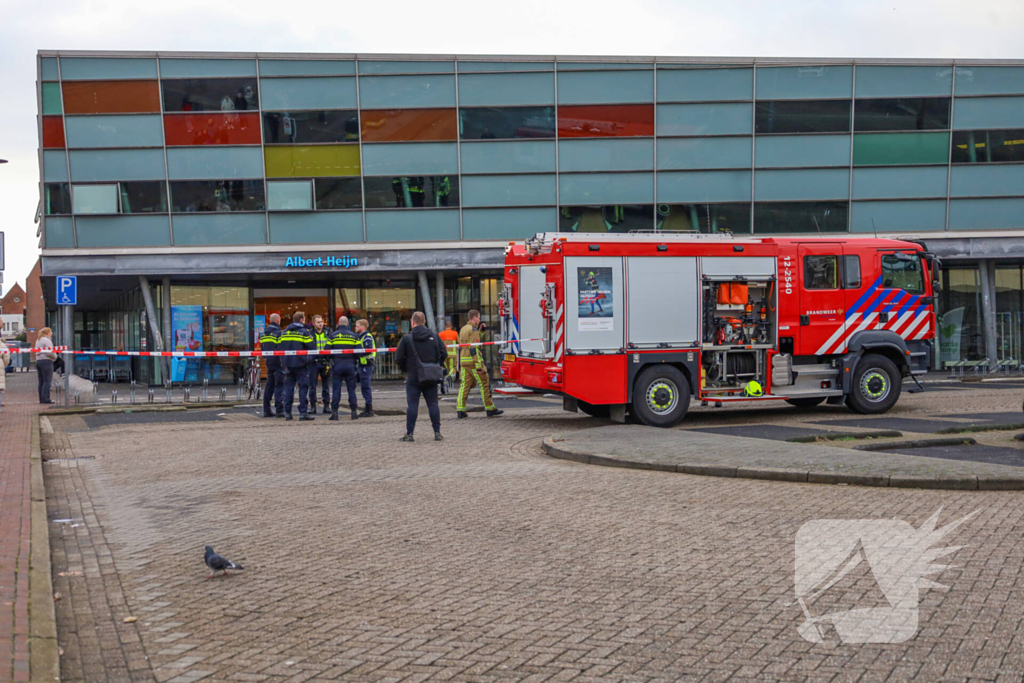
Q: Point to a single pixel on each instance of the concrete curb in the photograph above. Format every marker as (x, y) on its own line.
(43, 653)
(941, 481)
(918, 443)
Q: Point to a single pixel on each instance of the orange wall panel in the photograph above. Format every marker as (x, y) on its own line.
(111, 97)
(212, 128)
(606, 121)
(405, 125)
(53, 132)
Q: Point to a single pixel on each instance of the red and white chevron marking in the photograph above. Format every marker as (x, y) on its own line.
(909, 326)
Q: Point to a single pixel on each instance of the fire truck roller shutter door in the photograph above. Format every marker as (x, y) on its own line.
(594, 316)
(531, 319)
(728, 267)
(664, 301)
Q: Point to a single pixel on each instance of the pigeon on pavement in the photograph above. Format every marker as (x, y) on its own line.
(218, 563)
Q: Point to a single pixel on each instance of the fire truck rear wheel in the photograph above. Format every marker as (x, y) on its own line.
(877, 383)
(661, 396)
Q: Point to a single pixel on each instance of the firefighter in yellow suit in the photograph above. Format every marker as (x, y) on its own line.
(473, 370)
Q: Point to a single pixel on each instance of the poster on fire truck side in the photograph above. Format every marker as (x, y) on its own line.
(596, 303)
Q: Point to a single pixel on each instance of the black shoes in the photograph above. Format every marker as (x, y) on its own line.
(269, 415)
(438, 437)
(407, 438)
(367, 412)
(494, 413)
(288, 416)
(334, 416)
(355, 414)
(462, 414)
(280, 413)
(306, 418)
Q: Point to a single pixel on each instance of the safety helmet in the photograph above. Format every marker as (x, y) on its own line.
(752, 389)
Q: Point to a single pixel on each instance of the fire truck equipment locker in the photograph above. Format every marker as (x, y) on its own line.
(531, 318)
(664, 299)
(602, 330)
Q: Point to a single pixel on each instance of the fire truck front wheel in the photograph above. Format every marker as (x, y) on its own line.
(661, 396)
(876, 385)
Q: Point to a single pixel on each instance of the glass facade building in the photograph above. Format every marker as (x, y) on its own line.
(214, 169)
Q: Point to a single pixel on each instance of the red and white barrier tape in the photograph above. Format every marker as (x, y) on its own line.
(245, 354)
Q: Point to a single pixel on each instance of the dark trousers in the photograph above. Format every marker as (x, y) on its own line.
(274, 391)
(412, 410)
(365, 375)
(319, 370)
(44, 373)
(293, 376)
(346, 372)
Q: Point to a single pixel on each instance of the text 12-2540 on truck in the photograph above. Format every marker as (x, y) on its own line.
(645, 323)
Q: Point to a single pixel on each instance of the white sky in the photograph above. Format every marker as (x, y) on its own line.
(783, 28)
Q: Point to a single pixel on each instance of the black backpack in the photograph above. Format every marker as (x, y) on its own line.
(428, 374)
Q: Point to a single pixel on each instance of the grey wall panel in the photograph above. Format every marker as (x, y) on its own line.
(584, 332)
(664, 298)
(321, 227)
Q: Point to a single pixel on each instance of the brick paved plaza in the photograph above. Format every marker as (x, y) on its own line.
(481, 558)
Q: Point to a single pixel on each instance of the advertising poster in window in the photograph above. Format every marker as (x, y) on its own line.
(950, 327)
(596, 301)
(187, 329)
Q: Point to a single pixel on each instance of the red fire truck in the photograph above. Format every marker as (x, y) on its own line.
(640, 323)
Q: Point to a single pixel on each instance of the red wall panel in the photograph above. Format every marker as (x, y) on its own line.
(404, 125)
(111, 97)
(213, 128)
(606, 121)
(53, 132)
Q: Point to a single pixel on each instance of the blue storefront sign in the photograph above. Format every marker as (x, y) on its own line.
(345, 261)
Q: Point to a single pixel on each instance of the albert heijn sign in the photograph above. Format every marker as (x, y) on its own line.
(345, 261)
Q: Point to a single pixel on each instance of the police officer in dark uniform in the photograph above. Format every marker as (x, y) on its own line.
(365, 365)
(344, 368)
(274, 390)
(318, 369)
(296, 368)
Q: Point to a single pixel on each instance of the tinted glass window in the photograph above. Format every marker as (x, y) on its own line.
(338, 193)
(706, 218)
(289, 195)
(904, 113)
(879, 149)
(505, 123)
(210, 94)
(57, 199)
(212, 129)
(94, 199)
(774, 217)
(619, 218)
(984, 146)
(602, 121)
(216, 195)
(851, 272)
(409, 125)
(310, 126)
(802, 116)
(411, 192)
(821, 272)
(903, 271)
(144, 197)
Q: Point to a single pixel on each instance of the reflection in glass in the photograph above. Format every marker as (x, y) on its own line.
(310, 126)
(212, 129)
(406, 192)
(601, 121)
(775, 217)
(407, 125)
(289, 195)
(986, 146)
(224, 327)
(216, 195)
(100, 199)
(338, 193)
(620, 218)
(505, 123)
(802, 116)
(705, 218)
(878, 149)
(905, 113)
(57, 199)
(210, 94)
(144, 196)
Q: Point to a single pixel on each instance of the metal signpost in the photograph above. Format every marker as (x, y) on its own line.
(67, 299)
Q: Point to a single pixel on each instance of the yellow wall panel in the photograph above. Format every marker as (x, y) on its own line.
(312, 161)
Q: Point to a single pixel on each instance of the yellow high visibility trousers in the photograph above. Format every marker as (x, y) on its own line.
(473, 375)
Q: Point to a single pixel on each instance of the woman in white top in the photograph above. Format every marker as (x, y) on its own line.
(5, 360)
(44, 363)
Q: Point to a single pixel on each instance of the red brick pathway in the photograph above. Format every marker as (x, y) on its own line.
(20, 402)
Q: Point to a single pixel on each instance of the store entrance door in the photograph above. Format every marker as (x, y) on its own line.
(285, 302)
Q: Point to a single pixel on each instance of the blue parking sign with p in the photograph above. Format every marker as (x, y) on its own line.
(67, 290)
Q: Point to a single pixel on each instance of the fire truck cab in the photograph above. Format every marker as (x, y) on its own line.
(645, 323)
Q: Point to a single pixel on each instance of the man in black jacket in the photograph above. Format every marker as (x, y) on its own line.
(275, 373)
(296, 368)
(430, 349)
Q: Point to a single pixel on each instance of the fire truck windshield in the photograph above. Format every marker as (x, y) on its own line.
(903, 271)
